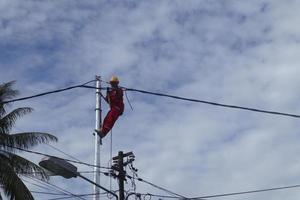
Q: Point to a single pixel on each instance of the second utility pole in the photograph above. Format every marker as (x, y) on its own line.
(119, 167)
(121, 175)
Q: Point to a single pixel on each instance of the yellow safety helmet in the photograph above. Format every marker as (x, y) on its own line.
(114, 79)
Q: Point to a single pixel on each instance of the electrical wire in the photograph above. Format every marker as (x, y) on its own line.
(214, 103)
(80, 195)
(43, 154)
(88, 172)
(128, 100)
(110, 162)
(229, 194)
(195, 198)
(247, 192)
(42, 185)
(47, 188)
(63, 190)
(133, 184)
(57, 149)
(54, 187)
(46, 93)
(81, 172)
(160, 94)
(159, 187)
(51, 186)
(160, 196)
(169, 96)
(204, 102)
(48, 193)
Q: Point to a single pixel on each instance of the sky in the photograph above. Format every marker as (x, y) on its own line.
(243, 53)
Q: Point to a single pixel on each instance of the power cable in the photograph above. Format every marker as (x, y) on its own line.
(215, 103)
(47, 188)
(48, 193)
(59, 188)
(43, 154)
(81, 172)
(57, 149)
(128, 101)
(247, 192)
(160, 196)
(46, 93)
(159, 187)
(77, 160)
(206, 102)
(160, 94)
(88, 172)
(229, 194)
(81, 195)
(42, 185)
(110, 161)
(53, 187)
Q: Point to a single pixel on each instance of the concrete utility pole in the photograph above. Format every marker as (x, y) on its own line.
(97, 139)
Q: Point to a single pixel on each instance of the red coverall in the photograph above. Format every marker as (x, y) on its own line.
(114, 97)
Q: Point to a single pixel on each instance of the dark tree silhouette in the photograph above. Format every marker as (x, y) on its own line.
(11, 164)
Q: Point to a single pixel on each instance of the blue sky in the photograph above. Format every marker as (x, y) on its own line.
(227, 51)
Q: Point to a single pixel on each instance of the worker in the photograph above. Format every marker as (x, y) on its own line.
(114, 97)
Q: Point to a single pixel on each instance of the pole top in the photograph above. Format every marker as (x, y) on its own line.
(98, 77)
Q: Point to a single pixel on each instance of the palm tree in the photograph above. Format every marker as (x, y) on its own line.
(12, 165)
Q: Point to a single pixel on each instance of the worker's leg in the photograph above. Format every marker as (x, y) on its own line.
(109, 120)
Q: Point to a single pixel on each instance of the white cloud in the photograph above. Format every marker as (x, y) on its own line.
(233, 52)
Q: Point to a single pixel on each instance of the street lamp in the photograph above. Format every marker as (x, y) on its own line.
(65, 169)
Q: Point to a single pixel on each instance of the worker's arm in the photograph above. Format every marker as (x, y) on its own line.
(105, 98)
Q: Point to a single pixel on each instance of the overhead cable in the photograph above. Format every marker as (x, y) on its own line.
(247, 192)
(227, 194)
(160, 196)
(43, 154)
(48, 193)
(79, 195)
(159, 187)
(215, 103)
(205, 102)
(42, 186)
(57, 149)
(55, 187)
(46, 93)
(163, 95)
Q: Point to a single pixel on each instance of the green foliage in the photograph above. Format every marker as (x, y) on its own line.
(12, 165)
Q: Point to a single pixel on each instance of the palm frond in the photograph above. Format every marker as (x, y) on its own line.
(25, 167)
(13, 186)
(9, 120)
(6, 91)
(2, 110)
(25, 140)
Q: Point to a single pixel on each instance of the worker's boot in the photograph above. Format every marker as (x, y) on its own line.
(99, 133)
